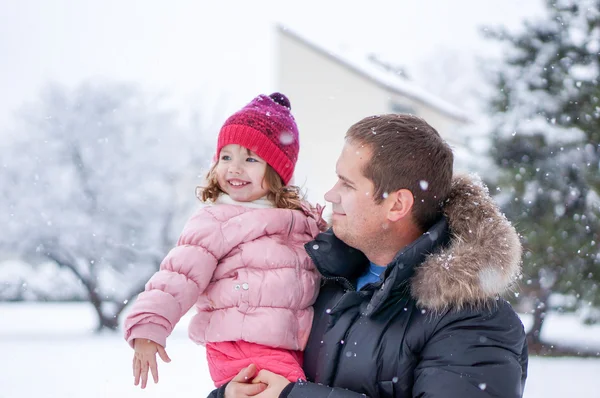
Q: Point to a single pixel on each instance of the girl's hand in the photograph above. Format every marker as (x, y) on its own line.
(144, 358)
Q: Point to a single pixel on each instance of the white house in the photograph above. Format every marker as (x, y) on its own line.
(331, 90)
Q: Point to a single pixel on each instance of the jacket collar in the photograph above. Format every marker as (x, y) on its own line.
(336, 260)
(262, 203)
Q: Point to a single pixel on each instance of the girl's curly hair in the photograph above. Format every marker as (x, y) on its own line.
(283, 196)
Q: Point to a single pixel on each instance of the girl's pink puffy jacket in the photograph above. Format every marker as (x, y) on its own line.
(247, 272)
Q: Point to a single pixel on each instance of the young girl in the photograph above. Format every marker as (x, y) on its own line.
(240, 258)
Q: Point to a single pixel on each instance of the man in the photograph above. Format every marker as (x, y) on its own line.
(413, 269)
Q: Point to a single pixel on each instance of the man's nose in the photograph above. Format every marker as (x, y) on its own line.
(332, 196)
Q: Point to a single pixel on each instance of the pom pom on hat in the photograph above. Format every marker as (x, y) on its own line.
(281, 100)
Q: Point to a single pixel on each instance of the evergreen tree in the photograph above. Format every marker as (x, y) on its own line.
(546, 113)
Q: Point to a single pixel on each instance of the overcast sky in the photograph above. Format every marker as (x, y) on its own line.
(219, 54)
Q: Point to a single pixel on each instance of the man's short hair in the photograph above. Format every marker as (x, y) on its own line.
(407, 153)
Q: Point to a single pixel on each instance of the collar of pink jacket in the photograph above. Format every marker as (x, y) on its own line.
(262, 203)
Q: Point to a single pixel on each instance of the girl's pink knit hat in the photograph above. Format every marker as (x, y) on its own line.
(266, 127)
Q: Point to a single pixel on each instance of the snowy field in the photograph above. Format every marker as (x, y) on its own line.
(49, 350)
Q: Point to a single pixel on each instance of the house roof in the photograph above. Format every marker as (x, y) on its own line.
(386, 78)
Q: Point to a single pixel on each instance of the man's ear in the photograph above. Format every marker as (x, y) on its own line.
(402, 203)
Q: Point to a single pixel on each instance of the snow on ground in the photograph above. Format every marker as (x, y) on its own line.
(49, 350)
(567, 329)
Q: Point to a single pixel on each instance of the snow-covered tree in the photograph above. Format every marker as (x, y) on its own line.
(89, 181)
(547, 144)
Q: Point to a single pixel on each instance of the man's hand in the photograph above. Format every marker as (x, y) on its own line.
(145, 358)
(241, 386)
(274, 382)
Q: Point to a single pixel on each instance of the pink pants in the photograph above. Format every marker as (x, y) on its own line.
(226, 359)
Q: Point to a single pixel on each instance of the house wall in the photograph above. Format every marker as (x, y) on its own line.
(327, 98)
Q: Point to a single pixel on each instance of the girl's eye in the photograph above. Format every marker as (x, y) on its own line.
(225, 157)
(251, 160)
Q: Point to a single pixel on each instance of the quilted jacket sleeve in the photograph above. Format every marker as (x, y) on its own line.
(184, 274)
(474, 356)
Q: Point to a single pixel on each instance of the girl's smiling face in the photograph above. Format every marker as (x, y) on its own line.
(241, 173)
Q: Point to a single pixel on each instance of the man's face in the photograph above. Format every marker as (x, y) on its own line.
(357, 219)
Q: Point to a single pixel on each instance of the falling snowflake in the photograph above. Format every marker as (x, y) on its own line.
(286, 138)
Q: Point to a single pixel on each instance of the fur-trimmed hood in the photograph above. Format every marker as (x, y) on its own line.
(472, 255)
(483, 259)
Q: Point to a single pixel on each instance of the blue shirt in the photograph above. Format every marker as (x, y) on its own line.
(371, 275)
